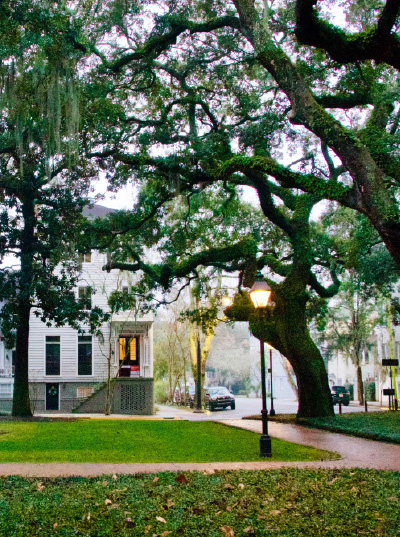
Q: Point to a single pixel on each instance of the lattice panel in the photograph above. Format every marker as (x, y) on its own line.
(133, 398)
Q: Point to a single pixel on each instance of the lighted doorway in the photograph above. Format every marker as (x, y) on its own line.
(129, 356)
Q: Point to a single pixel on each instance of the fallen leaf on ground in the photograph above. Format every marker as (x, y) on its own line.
(40, 487)
(333, 480)
(108, 502)
(115, 476)
(165, 533)
(249, 528)
(155, 479)
(275, 512)
(105, 483)
(228, 531)
(241, 486)
(181, 478)
(161, 519)
(228, 486)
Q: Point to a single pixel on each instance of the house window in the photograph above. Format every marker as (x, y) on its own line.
(85, 296)
(385, 351)
(85, 355)
(53, 355)
(366, 357)
(86, 257)
(5, 391)
(84, 391)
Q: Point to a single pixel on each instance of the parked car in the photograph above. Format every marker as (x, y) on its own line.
(219, 396)
(340, 394)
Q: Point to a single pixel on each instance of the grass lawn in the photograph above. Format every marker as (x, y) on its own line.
(287, 502)
(384, 426)
(139, 441)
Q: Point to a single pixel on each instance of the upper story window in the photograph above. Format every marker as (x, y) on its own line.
(85, 296)
(86, 257)
(53, 348)
(85, 362)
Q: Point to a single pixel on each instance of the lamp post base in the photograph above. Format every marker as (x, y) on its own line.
(265, 446)
(265, 440)
(272, 412)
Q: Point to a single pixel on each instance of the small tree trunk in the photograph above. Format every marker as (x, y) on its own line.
(107, 409)
(360, 385)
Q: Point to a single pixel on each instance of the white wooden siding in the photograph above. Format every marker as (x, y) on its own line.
(104, 283)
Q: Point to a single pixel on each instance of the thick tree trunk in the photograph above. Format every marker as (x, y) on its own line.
(21, 400)
(312, 379)
(288, 333)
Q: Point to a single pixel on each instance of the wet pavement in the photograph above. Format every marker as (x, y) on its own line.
(354, 452)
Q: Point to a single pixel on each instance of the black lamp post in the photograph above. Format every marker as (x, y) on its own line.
(198, 409)
(259, 294)
(271, 410)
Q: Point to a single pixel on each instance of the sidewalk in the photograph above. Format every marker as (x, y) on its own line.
(355, 453)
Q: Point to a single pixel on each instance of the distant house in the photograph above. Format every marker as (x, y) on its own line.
(376, 378)
(68, 370)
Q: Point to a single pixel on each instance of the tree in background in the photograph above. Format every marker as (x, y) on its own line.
(367, 284)
(206, 299)
(171, 354)
(43, 181)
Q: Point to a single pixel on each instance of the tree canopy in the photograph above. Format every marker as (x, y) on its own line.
(224, 92)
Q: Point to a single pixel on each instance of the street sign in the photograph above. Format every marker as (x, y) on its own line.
(391, 363)
(388, 391)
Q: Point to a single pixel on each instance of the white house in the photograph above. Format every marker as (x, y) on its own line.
(376, 377)
(68, 370)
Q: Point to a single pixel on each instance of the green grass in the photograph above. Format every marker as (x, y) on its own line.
(286, 502)
(139, 441)
(383, 426)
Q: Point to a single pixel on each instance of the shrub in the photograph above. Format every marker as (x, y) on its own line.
(161, 392)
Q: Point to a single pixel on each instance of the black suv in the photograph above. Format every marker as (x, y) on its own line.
(340, 395)
(219, 396)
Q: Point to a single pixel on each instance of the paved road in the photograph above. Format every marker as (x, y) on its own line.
(247, 407)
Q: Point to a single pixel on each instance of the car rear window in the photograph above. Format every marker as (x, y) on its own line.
(339, 389)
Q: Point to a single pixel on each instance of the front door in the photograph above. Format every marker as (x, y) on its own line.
(52, 396)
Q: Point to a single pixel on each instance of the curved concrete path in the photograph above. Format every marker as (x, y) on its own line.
(355, 453)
